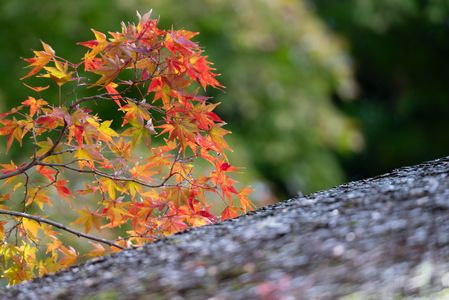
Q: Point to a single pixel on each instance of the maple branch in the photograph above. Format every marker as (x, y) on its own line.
(107, 96)
(105, 175)
(55, 144)
(19, 170)
(40, 188)
(104, 96)
(60, 226)
(35, 160)
(63, 151)
(10, 231)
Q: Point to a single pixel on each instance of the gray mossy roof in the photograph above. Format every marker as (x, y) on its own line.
(383, 237)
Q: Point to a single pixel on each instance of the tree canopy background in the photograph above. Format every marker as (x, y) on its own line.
(317, 92)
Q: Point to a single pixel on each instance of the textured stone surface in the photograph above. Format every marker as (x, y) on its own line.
(383, 237)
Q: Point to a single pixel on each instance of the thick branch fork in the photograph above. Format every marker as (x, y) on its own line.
(60, 226)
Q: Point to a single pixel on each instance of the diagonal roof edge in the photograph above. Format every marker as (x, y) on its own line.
(382, 237)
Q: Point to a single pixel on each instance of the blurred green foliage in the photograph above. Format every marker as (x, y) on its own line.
(300, 121)
(400, 49)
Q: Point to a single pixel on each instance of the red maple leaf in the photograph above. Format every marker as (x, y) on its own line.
(62, 189)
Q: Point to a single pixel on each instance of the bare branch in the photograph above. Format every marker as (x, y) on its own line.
(60, 226)
(105, 175)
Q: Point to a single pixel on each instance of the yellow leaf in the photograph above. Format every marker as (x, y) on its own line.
(31, 227)
(80, 153)
(16, 274)
(59, 73)
(197, 221)
(87, 219)
(28, 253)
(105, 132)
(93, 122)
(44, 146)
(111, 186)
(48, 49)
(133, 188)
(217, 134)
(104, 128)
(49, 265)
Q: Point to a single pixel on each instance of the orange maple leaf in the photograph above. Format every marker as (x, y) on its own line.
(46, 172)
(229, 212)
(13, 130)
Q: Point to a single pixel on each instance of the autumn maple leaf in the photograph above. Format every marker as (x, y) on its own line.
(34, 104)
(12, 130)
(69, 255)
(216, 135)
(98, 250)
(40, 60)
(36, 88)
(229, 212)
(62, 189)
(46, 172)
(88, 219)
(110, 88)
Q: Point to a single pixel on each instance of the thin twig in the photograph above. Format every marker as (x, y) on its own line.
(25, 196)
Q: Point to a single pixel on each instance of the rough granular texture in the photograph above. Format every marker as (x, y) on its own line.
(378, 238)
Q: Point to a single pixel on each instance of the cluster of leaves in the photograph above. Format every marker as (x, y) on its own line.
(140, 176)
(283, 67)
